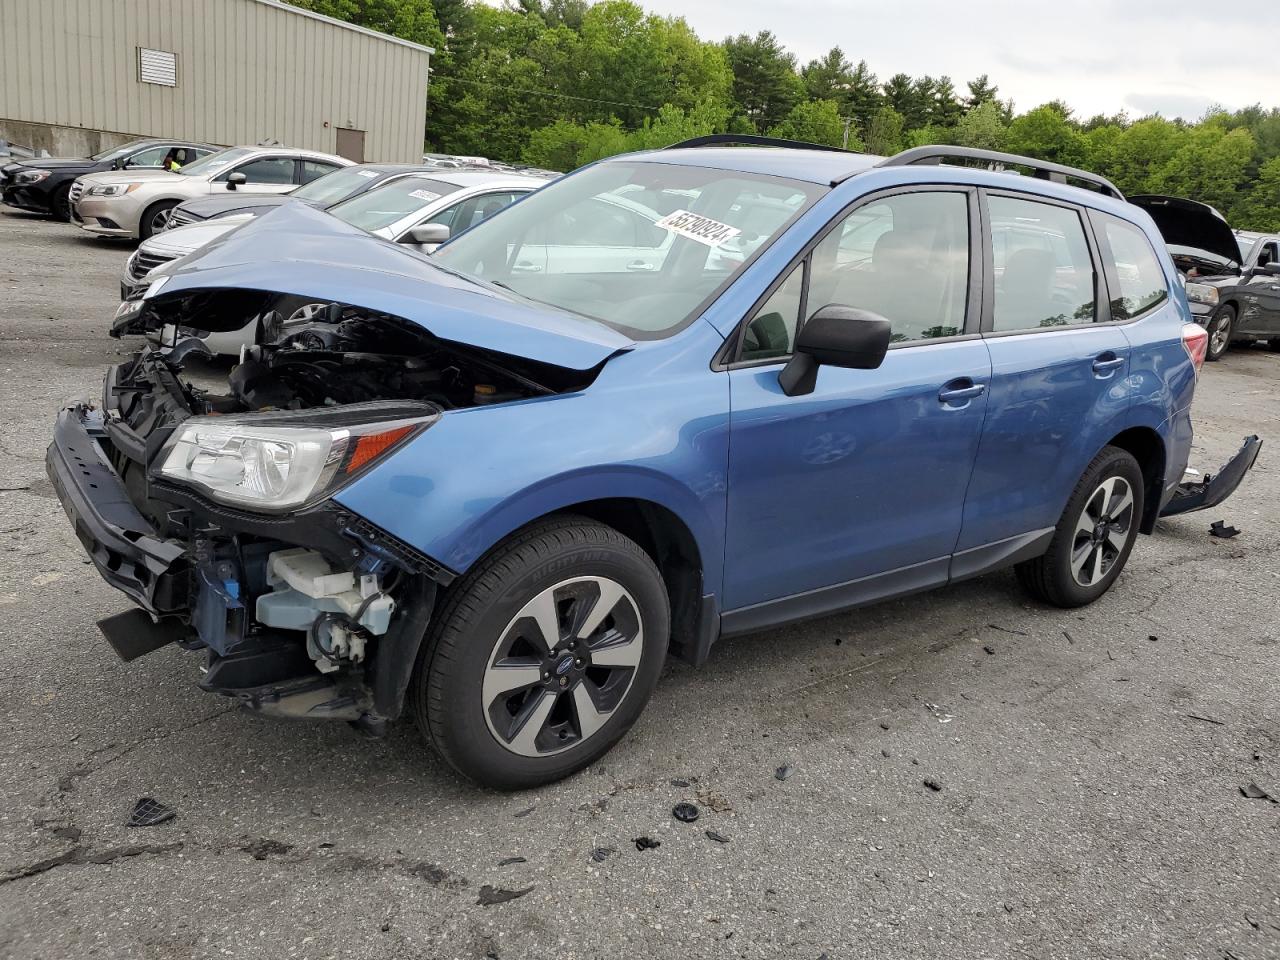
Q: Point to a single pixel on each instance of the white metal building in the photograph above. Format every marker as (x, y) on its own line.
(77, 76)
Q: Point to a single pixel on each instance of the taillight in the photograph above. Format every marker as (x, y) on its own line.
(1195, 339)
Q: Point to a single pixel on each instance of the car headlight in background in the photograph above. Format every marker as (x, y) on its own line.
(1202, 292)
(272, 462)
(111, 189)
(31, 176)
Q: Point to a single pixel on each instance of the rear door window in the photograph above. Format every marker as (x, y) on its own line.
(1137, 280)
(1044, 274)
(271, 170)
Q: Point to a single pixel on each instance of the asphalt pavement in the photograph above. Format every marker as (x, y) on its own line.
(1088, 763)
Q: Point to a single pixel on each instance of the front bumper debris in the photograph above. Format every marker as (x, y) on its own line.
(1214, 488)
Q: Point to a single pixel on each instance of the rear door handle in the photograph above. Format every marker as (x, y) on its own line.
(1107, 362)
(961, 394)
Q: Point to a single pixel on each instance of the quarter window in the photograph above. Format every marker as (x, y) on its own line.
(1141, 279)
(315, 169)
(1044, 274)
(905, 257)
(771, 333)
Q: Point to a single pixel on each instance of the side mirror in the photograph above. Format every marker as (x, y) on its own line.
(235, 180)
(839, 337)
(116, 164)
(1273, 269)
(426, 233)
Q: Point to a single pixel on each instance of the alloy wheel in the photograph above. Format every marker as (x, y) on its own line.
(1102, 530)
(1221, 336)
(562, 666)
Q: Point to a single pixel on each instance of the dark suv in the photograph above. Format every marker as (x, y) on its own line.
(44, 184)
(1232, 278)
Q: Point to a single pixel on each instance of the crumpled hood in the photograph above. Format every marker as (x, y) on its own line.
(296, 249)
(1189, 223)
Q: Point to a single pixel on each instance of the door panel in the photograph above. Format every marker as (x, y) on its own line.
(1259, 312)
(864, 476)
(1058, 378)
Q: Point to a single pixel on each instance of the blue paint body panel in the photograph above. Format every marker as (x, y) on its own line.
(869, 475)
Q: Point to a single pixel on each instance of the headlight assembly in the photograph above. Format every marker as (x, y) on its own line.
(28, 177)
(112, 189)
(274, 462)
(1202, 292)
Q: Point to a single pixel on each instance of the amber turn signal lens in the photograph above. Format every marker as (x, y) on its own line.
(373, 445)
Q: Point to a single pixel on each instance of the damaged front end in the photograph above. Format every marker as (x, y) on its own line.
(213, 512)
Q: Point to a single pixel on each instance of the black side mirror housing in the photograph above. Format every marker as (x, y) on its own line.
(1273, 269)
(235, 180)
(839, 337)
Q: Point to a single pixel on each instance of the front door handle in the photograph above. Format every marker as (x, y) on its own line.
(1107, 362)
(961, 392)
(640, 266)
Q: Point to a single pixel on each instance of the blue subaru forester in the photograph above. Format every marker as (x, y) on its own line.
(675, 396)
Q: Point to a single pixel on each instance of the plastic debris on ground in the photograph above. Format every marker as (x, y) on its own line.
(941, 715)
(717, 837)
(932, 784)
(510, 860)
(492, 895)
(784, 772)
(647, 843)
(601, 854)
(525, 812)
(148, 812)
(262, 847)
(685, 812)
(1254, 792)
(1219, 528)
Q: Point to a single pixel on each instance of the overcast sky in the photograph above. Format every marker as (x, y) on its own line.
(1100, 56)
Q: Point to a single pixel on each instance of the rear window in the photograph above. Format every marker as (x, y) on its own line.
(1137, 269)
(383, 206)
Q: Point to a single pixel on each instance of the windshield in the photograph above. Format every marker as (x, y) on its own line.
(336, 186)
(636, 245)
(214, 163)
(119, 151)
(383, 206)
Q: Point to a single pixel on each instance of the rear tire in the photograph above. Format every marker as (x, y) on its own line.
(1221, 327)
(510, 710)
(1094, 537)
(154, 217)
(60, 204)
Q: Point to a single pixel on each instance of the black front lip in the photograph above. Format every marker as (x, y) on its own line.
(123, 545)
(1214, 488)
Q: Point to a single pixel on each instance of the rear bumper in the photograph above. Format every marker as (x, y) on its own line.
(1214, 488)
(128, 553)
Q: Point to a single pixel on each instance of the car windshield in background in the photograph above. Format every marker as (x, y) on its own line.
(1246, 245)
(383, 206)
(333, 187)
(119, 151)
(215, 163)
(637, 245)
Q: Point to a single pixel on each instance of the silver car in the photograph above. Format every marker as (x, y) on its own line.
(419, 209)
(136, 203)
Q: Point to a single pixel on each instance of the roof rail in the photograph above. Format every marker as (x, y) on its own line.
(751, 140)
(1043, 169)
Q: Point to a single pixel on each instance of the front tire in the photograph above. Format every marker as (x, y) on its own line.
(1094, 537)
(154, 218)
(60, 204)
(543, 655)
(1221, 327)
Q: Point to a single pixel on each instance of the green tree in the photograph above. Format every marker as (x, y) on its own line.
(884, 132)
(413, 20)
(829, 77)
(982, 127)
(981, 91)
(1046, 134)
(1259, 207)
(946, 109)
(765, 84)
(1140, 151)
(816, 121)
(1209, 166)
(863, 98)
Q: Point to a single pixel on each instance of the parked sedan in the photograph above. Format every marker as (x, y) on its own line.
(136, 203)
(443, 202)
(330, 189)
(43, 185)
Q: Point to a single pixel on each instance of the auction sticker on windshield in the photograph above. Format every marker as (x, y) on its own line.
(425, 195)
(702, 229)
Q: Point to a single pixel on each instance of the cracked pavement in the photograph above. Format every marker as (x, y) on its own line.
(1090, 768)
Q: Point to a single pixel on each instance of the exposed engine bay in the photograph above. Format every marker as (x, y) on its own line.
(310, 611)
